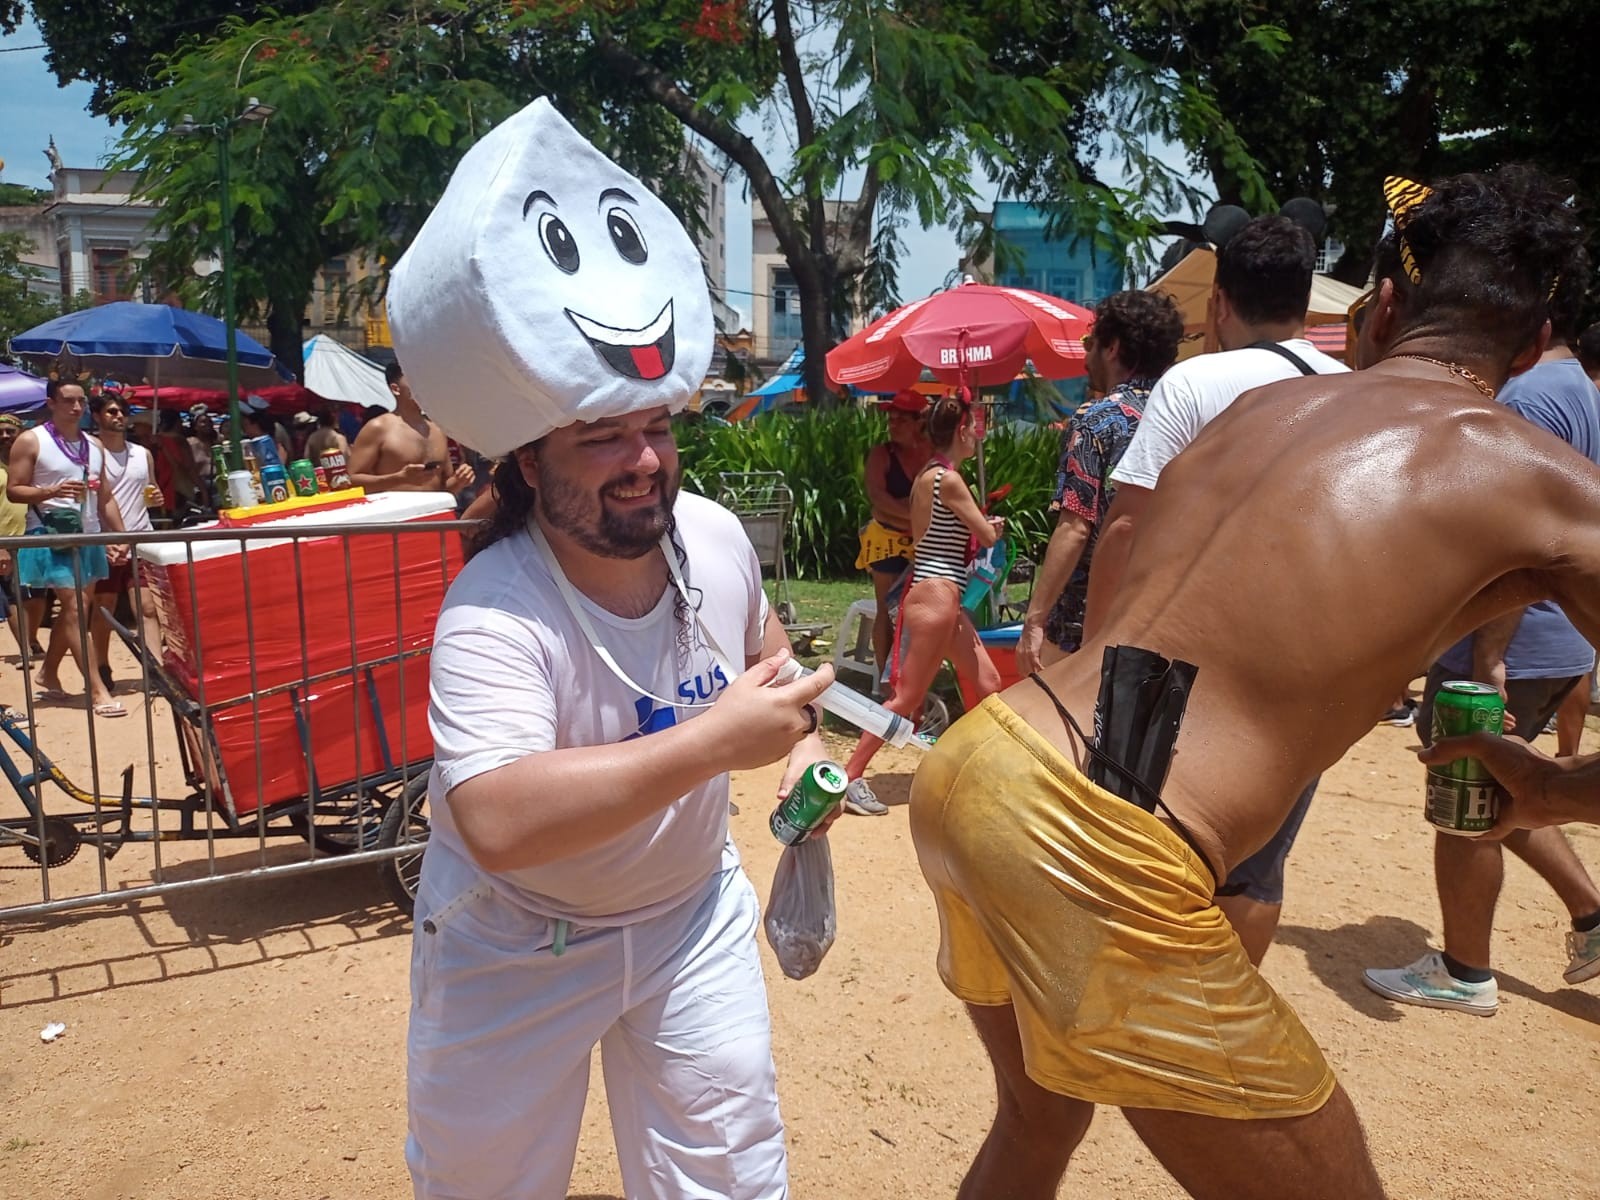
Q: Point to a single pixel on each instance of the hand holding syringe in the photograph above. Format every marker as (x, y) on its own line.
(854, 708)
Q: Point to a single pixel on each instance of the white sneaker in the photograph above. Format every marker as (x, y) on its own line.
(1584, 949)
(1428, 983)
(860, 800)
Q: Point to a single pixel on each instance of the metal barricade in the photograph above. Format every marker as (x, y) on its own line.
(281, 694)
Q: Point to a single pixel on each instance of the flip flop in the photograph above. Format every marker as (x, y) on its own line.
(112, 709)
(49, 696)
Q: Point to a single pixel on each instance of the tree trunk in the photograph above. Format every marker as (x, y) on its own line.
(816, 327)
(285, 333)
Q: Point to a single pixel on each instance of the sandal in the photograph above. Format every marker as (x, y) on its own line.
(112, 708)
(50, 696)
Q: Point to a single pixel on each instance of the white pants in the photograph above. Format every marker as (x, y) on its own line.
(502, 1029)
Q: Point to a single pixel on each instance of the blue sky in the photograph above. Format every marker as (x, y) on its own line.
(33, 106)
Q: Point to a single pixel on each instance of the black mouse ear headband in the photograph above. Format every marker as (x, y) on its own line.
(1223, 222)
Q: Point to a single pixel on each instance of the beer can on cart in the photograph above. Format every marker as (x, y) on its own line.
(338, 473)
(812, 798)
(322, 479)
(302, 478)
(266, 449)
(274, 483)
(1461, 795)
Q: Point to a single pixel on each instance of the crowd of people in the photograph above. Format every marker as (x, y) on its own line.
(92, 462)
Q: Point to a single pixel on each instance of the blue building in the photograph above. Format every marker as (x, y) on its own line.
(1073, 269)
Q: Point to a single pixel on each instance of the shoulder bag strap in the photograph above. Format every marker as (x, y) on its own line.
(1299, 363)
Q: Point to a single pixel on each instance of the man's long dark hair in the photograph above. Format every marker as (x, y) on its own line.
(516, 498)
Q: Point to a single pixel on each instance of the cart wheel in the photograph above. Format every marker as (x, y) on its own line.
(343, 826)
(60, 846)
(935, 716)
(406, 820)
(787, 614)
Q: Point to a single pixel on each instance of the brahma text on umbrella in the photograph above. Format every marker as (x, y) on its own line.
(970, 354)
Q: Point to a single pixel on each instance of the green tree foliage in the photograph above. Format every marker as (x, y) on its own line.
(374, 105)
(1356, 91)
(20, 308)
(909, 98)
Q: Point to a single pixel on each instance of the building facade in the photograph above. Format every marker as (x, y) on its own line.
(1074, 269)
(101, 231)
(775, 305)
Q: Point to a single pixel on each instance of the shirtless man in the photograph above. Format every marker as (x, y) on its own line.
(404, 451)
(1316, 545)
(327, 437)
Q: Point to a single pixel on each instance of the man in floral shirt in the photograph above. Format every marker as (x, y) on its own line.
(1135, 338)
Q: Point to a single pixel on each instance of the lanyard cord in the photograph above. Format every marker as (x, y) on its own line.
(574, 603)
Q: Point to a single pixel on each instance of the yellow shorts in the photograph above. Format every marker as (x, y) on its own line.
(1095, 921)
(880, 544)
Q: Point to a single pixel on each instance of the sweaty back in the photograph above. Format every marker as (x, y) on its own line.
(547, 286)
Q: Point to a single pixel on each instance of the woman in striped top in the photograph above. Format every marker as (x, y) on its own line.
(944, 520)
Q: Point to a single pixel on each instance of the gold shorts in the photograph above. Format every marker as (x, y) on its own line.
(881, 544)
(1095, 921)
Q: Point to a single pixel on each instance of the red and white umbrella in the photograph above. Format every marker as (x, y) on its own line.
(977, 334)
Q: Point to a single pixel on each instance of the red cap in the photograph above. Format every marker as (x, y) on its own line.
(906, 401)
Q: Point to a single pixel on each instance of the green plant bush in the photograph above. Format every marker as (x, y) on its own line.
(820, 454)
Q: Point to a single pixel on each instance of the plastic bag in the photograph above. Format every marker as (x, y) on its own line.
(800, 919)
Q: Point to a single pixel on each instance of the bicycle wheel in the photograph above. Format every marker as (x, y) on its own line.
(405, 821)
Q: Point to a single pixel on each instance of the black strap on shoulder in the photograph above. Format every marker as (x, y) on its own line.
(1299, 363)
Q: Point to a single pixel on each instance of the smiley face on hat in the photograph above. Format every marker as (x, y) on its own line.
(548, 286)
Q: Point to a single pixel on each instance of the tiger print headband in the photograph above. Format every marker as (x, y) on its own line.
(1403, 198)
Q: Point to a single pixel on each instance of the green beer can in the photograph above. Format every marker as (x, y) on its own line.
(303, 477)
(812, 798)
(1461, 795)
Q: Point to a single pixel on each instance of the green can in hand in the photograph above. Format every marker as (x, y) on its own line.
(1461, 797)
(816, 794)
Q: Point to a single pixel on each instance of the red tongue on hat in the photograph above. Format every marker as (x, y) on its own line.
(647, 361)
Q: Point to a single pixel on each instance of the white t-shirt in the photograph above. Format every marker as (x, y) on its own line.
(512, 674)
(1195, 392)
(129, 471)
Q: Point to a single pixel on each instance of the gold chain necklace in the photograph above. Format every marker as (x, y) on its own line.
(1455, 369)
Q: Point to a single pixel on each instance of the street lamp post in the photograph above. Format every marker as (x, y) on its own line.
(254, 113)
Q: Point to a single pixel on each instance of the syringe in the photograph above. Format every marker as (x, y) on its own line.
(851, 706)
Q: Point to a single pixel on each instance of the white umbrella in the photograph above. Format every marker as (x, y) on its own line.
(336, 372)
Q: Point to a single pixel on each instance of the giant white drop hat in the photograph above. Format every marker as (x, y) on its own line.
(547, 286)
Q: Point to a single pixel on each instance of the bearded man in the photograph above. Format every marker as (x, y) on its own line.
(599, 666)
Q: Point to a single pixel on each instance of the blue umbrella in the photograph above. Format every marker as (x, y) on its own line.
(152, 341)
(19, 391)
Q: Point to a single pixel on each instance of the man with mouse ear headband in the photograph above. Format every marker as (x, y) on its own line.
(600, 665)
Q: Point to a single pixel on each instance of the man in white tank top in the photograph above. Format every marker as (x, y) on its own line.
(130, 469)
(58, 471)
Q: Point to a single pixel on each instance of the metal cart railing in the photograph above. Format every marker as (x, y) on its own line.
(764, 504)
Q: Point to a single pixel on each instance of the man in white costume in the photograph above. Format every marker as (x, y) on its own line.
(587, 703)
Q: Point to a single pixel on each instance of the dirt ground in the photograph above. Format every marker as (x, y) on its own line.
(248, 1039)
